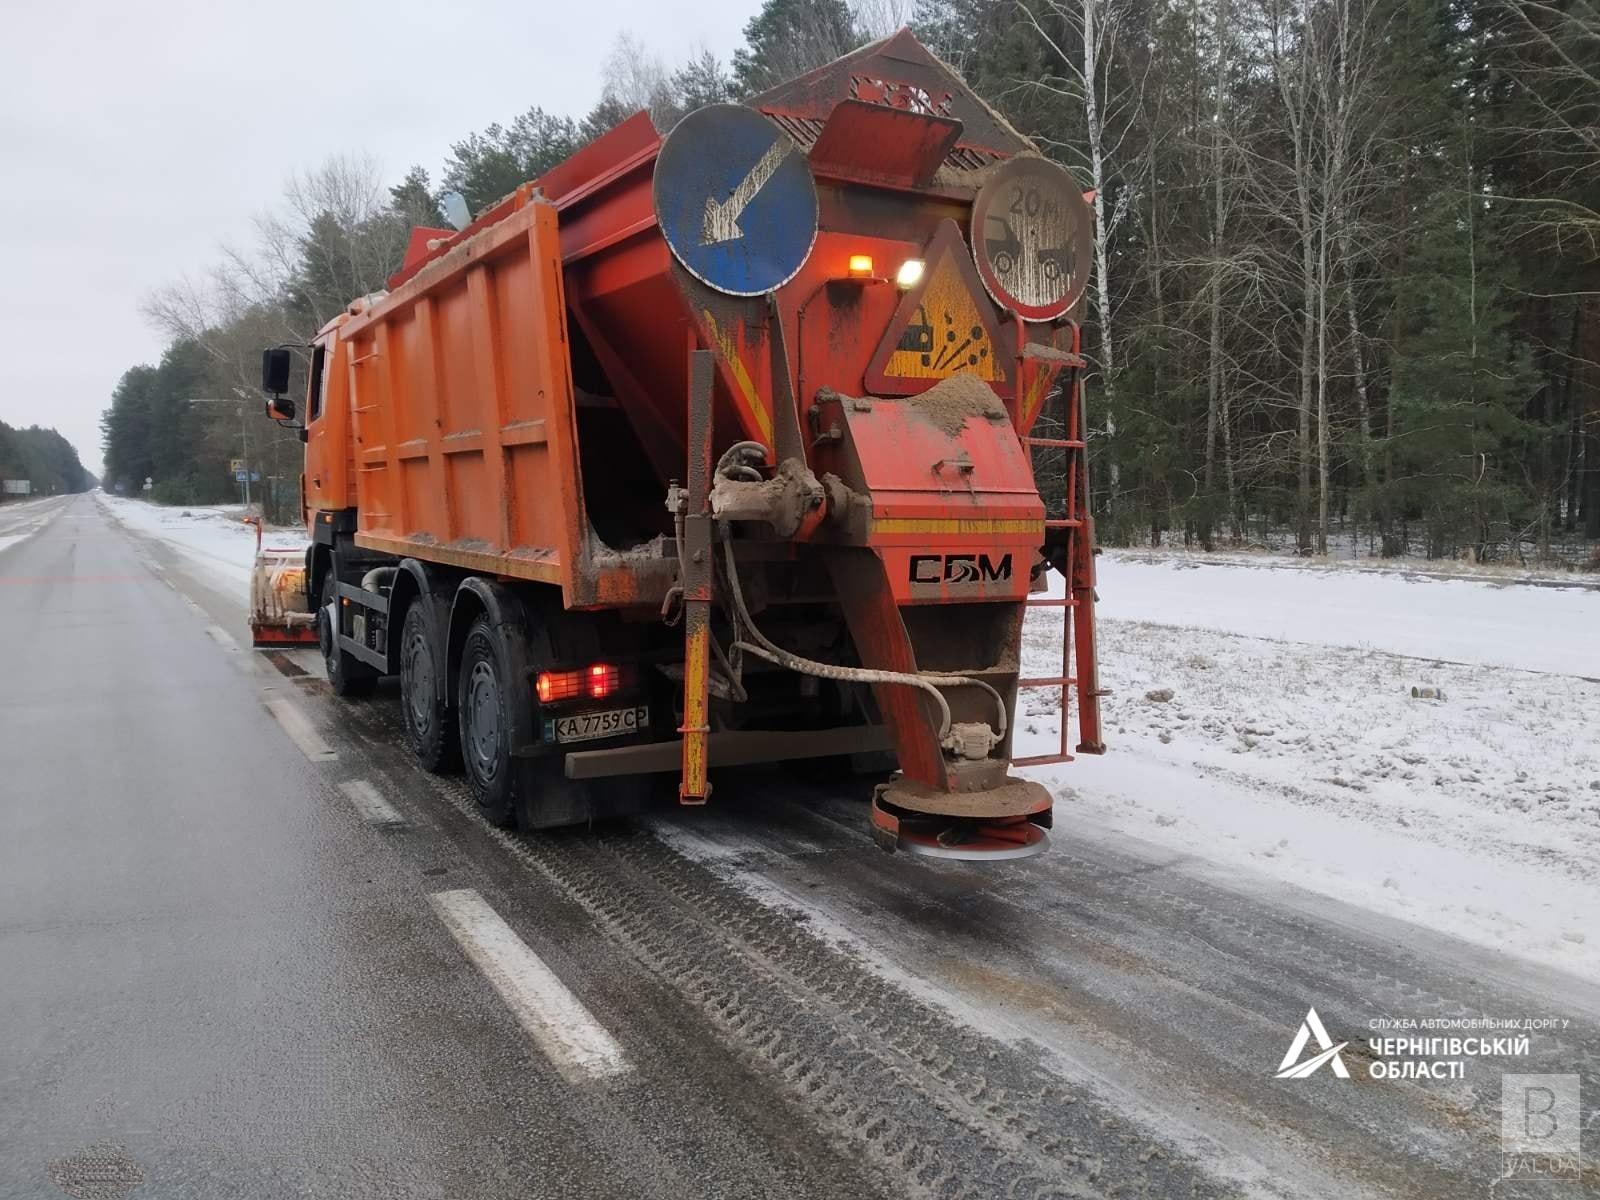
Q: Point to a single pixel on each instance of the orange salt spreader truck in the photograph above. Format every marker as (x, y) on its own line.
(715, 449)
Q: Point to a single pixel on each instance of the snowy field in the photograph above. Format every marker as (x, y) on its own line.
(1261, 718)
(214, 538)
(1291, 747)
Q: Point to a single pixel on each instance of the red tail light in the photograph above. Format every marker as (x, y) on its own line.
(559, 685)
(595, 682)
(603, 680)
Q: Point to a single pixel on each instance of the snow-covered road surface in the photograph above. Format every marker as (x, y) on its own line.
(1291, 745)
(1104, 1019)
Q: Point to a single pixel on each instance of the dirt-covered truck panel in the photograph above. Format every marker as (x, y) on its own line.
(722, 446)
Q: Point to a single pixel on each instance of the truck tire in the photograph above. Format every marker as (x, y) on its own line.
(347, 675)
(430, 721)
(547, 799)
(486, 691)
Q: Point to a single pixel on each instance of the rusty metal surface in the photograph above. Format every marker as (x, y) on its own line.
(897, 72)
(1011, 798)
(1031, 238)
(1069, 548)
(893, 147)
(784, 503)
(955, 514)
(882, 642)
(697, 571)
(732, 748)
(963, 839)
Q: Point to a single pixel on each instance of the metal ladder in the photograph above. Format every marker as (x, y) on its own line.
(1077, 603)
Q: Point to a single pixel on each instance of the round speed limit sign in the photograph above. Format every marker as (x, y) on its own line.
(1030, 238)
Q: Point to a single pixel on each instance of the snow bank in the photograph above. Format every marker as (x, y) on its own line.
(1291, 742)
(21, 519)
(1529, 627)
(213, 538)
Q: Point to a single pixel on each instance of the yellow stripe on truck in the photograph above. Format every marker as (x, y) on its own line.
(958, 525)
(741, 377)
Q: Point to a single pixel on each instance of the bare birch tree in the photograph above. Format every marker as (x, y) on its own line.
(1288, 46)
(1110, 109)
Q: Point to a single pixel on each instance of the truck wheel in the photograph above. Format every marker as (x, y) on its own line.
(484, 697)
(430, 721)
(347, 675)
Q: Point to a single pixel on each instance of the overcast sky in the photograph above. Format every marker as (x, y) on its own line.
(135, 138)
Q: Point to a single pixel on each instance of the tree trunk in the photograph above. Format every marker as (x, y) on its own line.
(1322, 386)
(1102, 235)
(1214, 398)
(1589, 465)
(1307, 333)
(1569, 518)
(1292, 91)
(1357, 364)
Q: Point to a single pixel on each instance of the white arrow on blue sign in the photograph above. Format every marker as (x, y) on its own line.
(735, 199)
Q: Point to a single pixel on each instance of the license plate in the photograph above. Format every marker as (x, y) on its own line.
(585, 727)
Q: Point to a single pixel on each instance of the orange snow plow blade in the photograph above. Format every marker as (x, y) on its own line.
(278, 614)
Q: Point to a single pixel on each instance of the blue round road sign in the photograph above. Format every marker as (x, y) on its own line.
(735, 199)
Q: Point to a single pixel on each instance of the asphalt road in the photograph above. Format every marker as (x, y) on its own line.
(247, 949)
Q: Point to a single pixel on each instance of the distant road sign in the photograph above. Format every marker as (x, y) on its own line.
(735, 199)
(236, 465)
(1030, 238)
(16, 487)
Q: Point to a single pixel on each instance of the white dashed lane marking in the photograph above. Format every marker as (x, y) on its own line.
(553, 1017)
(374, 809)
(300, 730)
(221, 637)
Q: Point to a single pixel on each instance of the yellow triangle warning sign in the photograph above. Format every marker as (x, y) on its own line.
(945, 325)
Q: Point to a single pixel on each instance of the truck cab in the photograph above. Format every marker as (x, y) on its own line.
(328, 484)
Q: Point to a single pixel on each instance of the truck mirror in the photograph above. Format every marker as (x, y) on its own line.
(281, 408)
(275, 370)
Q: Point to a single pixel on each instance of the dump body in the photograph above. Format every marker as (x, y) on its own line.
(464, 423)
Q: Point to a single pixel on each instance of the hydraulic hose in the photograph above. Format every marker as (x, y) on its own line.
(739, 462)
(927, 682)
